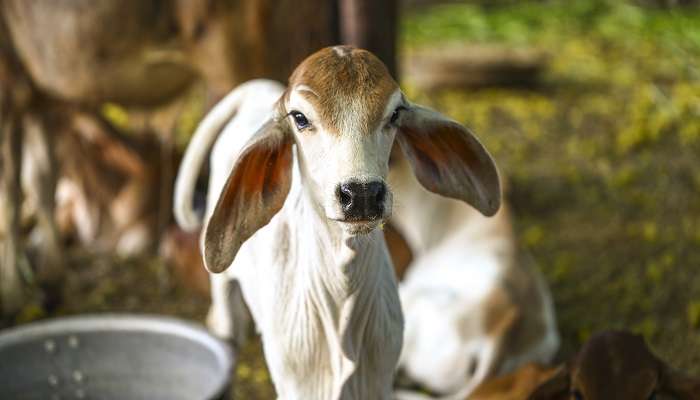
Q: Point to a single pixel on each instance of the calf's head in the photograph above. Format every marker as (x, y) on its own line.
(343, 111)
(617, 365)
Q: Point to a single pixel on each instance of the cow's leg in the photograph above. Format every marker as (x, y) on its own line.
(220, 317)
(228, 316)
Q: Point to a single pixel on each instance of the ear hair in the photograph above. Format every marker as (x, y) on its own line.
(449, 160)
(254, 192)
(555, 388)
(679, 384)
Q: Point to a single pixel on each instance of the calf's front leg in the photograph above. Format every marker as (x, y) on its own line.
(228, 316)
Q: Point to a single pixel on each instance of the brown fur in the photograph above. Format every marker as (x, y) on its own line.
(524, 301)
(508, 310)
(260, 173)
(515, 386)
(501, 312)
(345, 77)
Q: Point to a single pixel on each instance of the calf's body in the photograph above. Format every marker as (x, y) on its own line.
(296, 193)
(326, 303)
(474, 307)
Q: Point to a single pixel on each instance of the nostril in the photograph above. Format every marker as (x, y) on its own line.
(472, 367)
(345, 196)
(381, 194)
(362, 200)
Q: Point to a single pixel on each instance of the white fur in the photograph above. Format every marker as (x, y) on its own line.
(324, 300)
(461, 258)
(357, 154)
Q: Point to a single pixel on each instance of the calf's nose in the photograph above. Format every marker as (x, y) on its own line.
(361, 201)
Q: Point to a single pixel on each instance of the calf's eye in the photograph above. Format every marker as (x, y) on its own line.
(300, 120)
(576, 395)
(652, 396)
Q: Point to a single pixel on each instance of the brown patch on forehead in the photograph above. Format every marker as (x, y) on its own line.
(346, 80)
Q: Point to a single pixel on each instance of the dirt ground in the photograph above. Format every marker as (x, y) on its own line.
(601, 159)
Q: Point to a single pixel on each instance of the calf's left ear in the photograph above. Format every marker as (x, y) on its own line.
(448, 159)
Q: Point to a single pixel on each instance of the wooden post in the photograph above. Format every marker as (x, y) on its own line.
(11, 293)
(371, 25)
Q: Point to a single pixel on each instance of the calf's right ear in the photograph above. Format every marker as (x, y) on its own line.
(254, 192)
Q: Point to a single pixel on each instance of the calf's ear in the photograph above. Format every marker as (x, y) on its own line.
(448, 159)
(254, 192)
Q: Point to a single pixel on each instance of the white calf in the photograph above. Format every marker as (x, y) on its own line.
(473, 309)
(295, 220)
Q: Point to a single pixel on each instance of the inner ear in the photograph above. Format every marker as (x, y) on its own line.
(449, 160)
(254, 192)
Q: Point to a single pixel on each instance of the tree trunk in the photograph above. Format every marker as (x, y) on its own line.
(371, 25)
(11, 291)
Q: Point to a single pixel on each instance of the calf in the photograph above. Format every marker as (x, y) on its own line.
(296, 193)
(474, 307)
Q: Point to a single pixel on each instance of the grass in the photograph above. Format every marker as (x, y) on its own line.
(553, 21)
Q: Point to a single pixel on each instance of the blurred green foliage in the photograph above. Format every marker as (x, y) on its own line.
(602, 160)
(549, 22)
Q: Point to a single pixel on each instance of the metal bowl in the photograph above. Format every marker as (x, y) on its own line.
(113, 357)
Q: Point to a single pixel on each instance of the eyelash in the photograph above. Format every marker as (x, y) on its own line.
(395, 115)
